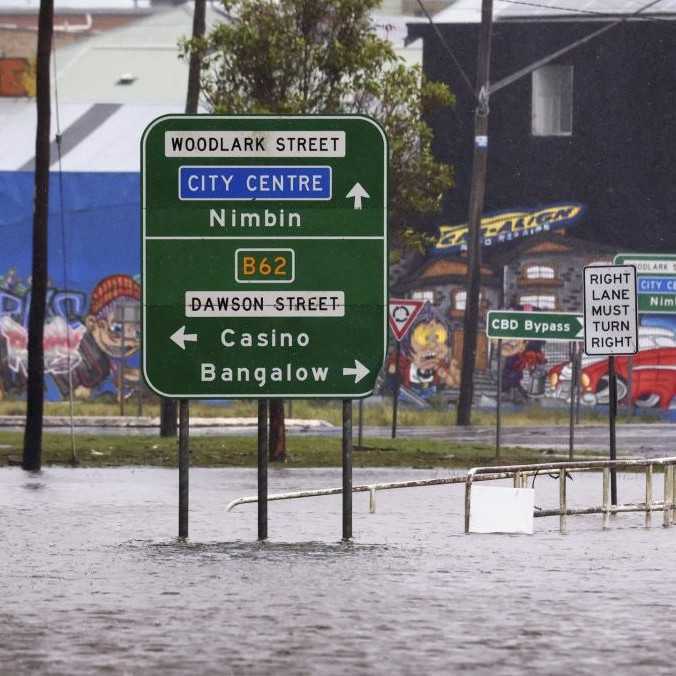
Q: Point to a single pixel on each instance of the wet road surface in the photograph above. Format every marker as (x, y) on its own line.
(92, 581)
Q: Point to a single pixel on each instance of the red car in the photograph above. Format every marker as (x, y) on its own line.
(653, 374)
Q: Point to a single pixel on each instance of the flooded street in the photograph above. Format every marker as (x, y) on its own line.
(92, 580)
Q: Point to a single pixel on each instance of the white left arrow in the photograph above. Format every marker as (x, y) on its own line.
(180, 337)
(358, 194)
(359, 371)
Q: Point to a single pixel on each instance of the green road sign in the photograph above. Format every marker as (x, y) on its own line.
(514, 324)
(264, 256)
(656, 281)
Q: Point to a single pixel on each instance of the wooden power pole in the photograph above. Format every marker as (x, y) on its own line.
(32, 447)
(476, 206)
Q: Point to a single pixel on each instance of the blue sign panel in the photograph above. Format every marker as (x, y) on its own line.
(254, 183)
(657, 284)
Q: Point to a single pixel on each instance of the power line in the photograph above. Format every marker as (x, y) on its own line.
(74, 457)
(576, 11)
(550, 57)
(449, 51)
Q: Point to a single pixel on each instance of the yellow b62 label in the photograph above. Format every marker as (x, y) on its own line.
(265, 266)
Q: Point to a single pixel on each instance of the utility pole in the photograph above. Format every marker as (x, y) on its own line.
(169, 407)
(32, 447)
(476, 205)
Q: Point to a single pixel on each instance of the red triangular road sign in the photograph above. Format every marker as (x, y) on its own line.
(402, 314)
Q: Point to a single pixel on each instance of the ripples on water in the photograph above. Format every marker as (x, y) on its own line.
(92, 580)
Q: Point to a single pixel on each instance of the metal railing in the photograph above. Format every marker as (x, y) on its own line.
(371, 488)
(520, 474)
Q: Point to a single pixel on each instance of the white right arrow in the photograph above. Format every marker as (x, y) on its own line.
(359, 371)
(180, 337)
(358, 194)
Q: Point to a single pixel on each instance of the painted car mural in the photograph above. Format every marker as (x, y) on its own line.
(653, 374)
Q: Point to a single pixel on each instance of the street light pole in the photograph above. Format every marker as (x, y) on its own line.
(476, 205)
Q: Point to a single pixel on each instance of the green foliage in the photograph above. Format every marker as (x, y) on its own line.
(324, 56)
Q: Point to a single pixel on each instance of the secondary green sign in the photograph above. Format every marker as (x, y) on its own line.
(656, 281)
(264, 256)
(517, 324)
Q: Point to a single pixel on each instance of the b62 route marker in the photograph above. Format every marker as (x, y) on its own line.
(264, 256)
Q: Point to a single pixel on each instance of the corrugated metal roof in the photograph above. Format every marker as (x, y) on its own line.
(469, 11)
(79, 5)
(92, 140)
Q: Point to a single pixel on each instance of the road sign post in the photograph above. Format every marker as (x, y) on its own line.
(264, 256)
(519, 324)
(516, 324)
(656, 283)
(610, 328)
(402, 313)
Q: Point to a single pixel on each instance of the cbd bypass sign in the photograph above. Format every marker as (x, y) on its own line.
(519, 324)
(264, 256)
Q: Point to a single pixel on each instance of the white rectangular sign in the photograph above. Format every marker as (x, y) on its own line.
(254, 144)
(499, 509)
(264, 303)
(610, 316)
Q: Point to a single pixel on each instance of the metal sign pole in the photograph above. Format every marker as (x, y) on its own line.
(347, 469)
(263, 469)
(578, 367)
(397, 388)
(360, 424)
(498, 412)
(630, 377)
(573, 388)
(612, 413)
(183, 467)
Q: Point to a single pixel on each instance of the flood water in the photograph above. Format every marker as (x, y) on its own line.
(93, 581)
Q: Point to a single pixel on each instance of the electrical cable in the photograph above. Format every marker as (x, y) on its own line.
(74, 456)
(575, 11)
(449, 51)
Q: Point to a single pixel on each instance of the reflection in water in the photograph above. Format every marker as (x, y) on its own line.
(93, 579)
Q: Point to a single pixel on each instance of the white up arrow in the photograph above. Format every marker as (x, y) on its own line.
(358, 194)
(359, 371)
(180, 337)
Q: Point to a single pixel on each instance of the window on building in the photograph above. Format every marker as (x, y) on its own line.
(545, 302)
(460, 300)
(424, 295)
(539, 272)
(552, 103)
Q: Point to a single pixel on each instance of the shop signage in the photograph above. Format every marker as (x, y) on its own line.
(505, 226)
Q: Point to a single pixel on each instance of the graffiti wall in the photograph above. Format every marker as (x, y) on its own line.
(94, 292)
(425, 367)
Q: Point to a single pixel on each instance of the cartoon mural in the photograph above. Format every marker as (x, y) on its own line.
(425, 366)
(523, 372)
(83, 348)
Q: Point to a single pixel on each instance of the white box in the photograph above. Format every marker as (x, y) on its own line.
(498, 509)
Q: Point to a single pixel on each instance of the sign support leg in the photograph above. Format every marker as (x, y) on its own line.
(360, 424)
(612, 413)
(573, 391)
(347, 469)
(498, 410)
(397, 388)
(183, 466)
(263, 469)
